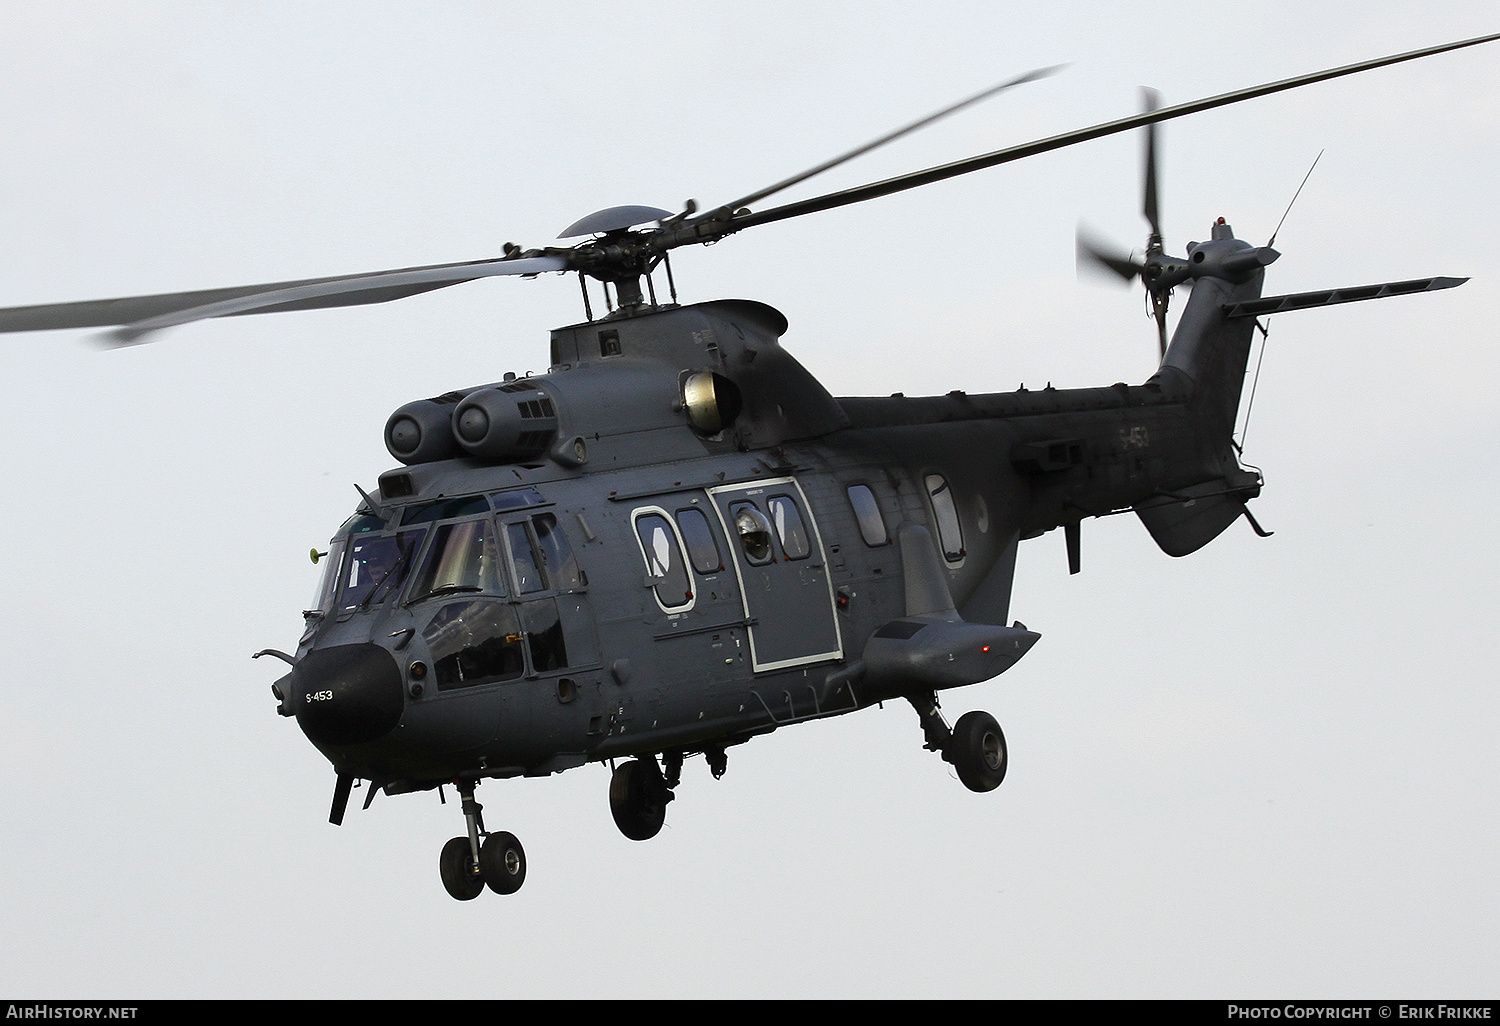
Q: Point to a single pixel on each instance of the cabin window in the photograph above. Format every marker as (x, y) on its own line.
(867, 515)
(754, 530)
(950, 533)
(703, 550)
(462, 557)
(789, 527)
(474, 642)
(665, 569)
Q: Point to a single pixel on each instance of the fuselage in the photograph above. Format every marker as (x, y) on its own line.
(646, 579)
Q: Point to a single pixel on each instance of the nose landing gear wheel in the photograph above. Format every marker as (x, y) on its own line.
(461, 876)
(977, 751)
(502, 862)
(638, 799)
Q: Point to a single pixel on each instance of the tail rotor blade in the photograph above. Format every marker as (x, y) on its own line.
(1099, 257)
(1150, 206)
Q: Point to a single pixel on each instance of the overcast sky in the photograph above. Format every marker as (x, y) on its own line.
(1267, 769)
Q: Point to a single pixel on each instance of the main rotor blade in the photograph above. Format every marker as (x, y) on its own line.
(1151, 101)
(892, 136)
(143, 314)
(1057, 142)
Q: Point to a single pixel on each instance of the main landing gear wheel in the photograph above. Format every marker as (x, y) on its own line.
(461, 876)
(977, 751)
(638, 799)
(502, 862)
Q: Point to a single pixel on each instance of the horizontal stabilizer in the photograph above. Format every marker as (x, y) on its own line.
(1332, 297)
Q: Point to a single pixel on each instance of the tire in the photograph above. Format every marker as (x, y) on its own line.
(638, 810)
(456, 864)
(977, 750)
(502, 861)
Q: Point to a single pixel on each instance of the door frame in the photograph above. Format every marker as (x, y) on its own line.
(819, 553)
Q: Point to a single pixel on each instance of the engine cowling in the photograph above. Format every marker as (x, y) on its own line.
(422, 431)
(505, 423)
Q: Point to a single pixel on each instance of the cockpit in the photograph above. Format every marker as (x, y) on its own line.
(490, 578)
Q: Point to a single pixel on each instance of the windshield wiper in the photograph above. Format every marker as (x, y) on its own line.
(447, 589)
(393, 577)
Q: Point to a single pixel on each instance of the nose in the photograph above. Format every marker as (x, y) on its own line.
(347, 694)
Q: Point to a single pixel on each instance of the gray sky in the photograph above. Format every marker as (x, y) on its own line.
(1266, 769)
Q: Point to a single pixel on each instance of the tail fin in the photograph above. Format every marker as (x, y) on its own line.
(1209, 349)
(1207, 359)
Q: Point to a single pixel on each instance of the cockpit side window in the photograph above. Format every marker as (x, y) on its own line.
(333, 561)
(475, 642)
(524, 559)
(544, 635)
(462, 557)
(557, 554)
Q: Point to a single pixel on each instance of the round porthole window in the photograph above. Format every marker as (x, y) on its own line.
(754, 529)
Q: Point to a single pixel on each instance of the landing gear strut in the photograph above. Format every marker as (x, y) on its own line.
(975, 745)
(638, 796)
(467, 864)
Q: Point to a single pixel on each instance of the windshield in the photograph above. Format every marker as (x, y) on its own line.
(375, 568)
(462, 557)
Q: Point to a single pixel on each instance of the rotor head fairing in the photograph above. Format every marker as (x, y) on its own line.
(613, 219)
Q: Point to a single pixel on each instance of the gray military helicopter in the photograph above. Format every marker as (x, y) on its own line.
(676, 539)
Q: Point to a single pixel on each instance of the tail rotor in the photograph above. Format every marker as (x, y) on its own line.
(1157, 271)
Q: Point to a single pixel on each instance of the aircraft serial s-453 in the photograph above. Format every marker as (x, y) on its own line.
(677, 539)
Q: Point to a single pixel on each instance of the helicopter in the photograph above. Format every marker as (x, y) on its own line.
(676, 539)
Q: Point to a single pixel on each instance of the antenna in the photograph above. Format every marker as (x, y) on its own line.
(1294, 198)
(1265, 336)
